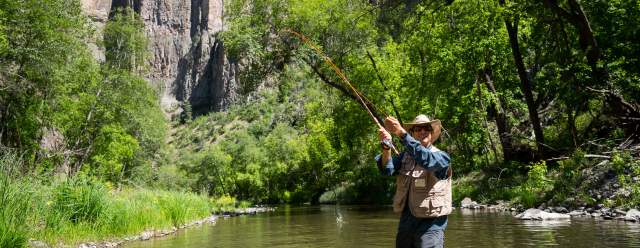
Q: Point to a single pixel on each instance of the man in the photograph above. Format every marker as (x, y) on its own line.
(423, 181)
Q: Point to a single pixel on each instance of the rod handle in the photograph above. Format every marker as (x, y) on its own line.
(388, 143)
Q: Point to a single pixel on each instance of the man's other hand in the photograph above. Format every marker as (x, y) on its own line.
(393, 125)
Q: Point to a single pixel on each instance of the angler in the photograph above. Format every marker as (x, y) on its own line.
(423, 181)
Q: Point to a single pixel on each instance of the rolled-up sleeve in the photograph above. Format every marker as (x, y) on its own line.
(428, 157)
(390, 168)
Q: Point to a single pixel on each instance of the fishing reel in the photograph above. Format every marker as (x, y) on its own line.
(388, 145)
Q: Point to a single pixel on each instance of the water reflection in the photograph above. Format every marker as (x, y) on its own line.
(535, 225)
(355, 226)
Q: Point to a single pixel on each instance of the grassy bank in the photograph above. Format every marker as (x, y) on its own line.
(68, 212)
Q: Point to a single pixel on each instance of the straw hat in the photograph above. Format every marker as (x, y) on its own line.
(423, 120)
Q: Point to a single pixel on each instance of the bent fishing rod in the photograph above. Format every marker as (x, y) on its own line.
(359, 96)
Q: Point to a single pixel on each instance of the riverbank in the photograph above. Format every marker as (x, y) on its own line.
(72, 212)
(157, 233)
(605, 187)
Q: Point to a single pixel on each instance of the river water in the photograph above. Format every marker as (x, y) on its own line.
(357, 226)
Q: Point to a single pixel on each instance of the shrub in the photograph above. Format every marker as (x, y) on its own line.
(535, 187)
(224, 204)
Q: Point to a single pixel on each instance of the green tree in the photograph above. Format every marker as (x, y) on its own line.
(39, 39)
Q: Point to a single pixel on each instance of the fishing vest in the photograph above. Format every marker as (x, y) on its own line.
(429, 197)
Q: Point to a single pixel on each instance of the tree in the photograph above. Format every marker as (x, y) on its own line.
(526, 85)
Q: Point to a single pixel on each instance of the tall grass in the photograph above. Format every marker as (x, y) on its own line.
(79, 200)
(80, 209)
(14, 204)
(123, 213)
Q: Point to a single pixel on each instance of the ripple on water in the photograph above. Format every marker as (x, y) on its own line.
(375, 227)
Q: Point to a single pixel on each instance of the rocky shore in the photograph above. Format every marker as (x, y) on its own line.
(544, 212)
(156, 233)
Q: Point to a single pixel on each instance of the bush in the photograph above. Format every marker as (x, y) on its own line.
(224, 204)
(535, 187)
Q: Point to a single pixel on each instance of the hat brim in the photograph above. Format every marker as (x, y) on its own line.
(436, 125)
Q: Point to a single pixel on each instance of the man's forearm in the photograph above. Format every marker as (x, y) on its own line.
(385, 157)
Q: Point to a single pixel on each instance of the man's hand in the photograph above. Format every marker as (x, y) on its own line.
(383, 134)
(393, 125)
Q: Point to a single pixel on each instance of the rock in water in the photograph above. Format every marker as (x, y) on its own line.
(632, 215)
(537, 214)
(560, 210)
(576, 213)
(468, 203)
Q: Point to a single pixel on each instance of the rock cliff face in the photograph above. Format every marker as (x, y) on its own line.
(187, 61)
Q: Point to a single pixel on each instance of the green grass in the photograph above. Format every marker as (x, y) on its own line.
(14, 209)
(124, 213)
(64, 212)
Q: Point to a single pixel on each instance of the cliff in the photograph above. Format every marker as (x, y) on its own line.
(187, 62)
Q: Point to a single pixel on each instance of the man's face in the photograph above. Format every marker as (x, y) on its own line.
(422, 133)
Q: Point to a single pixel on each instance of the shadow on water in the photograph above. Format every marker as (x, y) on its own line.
(360, 226)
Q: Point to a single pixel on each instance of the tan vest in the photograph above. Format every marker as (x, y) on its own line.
(429, 197)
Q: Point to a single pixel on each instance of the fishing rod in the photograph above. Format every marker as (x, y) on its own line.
(336, 69)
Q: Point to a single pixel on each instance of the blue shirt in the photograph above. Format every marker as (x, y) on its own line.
(429, 158)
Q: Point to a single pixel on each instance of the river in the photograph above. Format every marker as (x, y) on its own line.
(358, 226)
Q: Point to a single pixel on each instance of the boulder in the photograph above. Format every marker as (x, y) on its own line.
(560, 210)
(620, 211)
(632, 215)
(146, 235)
(537, 214)
(468, 203)
(38, 244)
(576, 213)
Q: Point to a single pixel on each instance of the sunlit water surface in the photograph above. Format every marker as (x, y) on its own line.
(357, 226)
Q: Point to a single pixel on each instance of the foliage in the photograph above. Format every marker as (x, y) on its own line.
(454, 62)
(223, 204)
(124, 41)
(535, 187)
(115, 150)
(39, 39)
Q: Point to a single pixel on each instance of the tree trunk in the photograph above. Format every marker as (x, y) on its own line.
(512, 29)
(500, 118)
(571, 122)
(484, 120)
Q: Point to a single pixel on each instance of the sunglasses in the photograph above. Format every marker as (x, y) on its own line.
(422, 128)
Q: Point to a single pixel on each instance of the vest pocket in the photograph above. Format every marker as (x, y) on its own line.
(399, 198)
(436, 202)
(440, 186)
